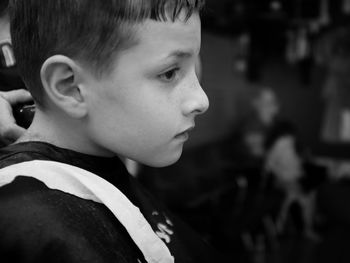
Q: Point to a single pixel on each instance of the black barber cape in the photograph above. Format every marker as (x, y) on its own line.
(38, 224)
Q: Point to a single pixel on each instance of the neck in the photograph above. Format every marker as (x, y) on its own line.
(63, 132)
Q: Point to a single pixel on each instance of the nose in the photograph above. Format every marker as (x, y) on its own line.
(196, 101)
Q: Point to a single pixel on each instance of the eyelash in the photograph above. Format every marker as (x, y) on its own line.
(173, 76)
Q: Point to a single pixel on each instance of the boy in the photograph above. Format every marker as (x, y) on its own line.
(111, 80)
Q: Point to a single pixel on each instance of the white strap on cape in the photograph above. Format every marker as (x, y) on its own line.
(86, 185)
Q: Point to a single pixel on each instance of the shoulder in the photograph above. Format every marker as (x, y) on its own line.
(26, 204)
(38, 222)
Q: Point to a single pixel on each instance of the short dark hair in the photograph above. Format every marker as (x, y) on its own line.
(90, 31)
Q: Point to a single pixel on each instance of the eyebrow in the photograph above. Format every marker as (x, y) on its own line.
(173, 56)
(180, 54)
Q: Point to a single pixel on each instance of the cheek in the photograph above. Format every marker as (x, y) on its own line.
(151, 112)
(139, 123)
(145, 126)
(143, 137)
(154, 125)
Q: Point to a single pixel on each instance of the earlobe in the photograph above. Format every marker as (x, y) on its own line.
(58, 75)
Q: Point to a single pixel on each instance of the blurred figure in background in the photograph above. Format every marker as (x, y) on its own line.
(247, 150)
(256, 129)
(281, 179)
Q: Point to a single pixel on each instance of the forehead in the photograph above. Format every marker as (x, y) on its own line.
(159, 38)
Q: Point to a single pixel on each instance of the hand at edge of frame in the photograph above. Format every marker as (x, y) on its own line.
(9, 130)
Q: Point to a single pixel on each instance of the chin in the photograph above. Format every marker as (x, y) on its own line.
(164, 160)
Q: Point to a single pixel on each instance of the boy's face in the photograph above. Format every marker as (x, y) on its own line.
(143, 109)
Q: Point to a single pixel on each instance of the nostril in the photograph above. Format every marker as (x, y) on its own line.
(202, 108)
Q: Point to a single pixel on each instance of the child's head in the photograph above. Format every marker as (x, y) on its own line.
(90, 31)
(122, 72)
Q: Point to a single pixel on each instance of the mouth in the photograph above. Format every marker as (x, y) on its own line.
(185, 134)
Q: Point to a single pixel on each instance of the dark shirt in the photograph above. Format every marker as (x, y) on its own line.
(38, 224)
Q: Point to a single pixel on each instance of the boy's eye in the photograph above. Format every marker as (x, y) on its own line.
(169, 75)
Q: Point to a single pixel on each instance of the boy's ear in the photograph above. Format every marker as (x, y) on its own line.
(59, 75)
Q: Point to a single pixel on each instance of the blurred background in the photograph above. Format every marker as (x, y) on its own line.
(265, 174)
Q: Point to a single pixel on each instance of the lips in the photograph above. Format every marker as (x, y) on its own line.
(184, 135)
